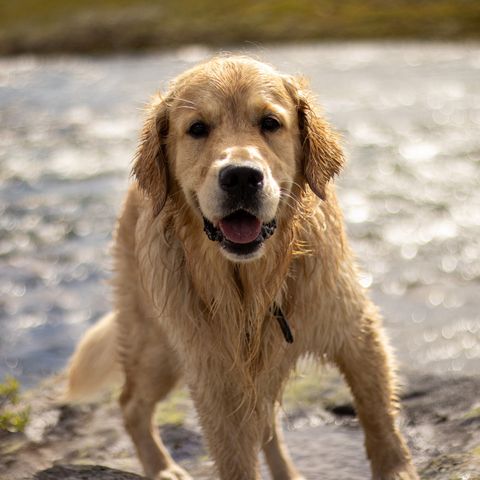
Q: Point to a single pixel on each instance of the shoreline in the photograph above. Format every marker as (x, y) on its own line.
(197, 51)
(60, 51)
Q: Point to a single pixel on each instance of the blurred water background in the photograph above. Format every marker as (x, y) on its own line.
(410, 117)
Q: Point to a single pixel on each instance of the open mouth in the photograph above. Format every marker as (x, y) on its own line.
(240, 227)
(240, 232)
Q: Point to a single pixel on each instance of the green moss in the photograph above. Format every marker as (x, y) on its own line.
(13, 421)
(323, 387)
(173, 410)
(476, 451)
(474, 413)
(9, 390)
(12, 417)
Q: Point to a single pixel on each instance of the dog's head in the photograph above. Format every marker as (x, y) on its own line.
(233, 137)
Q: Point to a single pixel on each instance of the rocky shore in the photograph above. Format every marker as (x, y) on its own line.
(440, 418)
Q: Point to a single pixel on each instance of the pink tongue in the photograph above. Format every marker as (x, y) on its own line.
(241, 230)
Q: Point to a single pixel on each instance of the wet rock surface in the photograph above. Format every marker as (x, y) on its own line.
(84, 472)
(440, 419)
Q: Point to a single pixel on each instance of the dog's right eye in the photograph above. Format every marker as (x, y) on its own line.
(198, 130)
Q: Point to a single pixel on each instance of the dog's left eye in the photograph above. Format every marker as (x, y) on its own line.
(269, 124)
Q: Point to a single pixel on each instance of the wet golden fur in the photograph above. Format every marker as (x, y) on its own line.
(182, 309)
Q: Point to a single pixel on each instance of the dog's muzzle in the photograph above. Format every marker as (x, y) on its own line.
(240, 233)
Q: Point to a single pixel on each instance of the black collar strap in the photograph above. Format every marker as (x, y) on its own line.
(278, 314)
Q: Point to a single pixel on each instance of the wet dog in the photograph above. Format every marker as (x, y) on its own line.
(231, 263)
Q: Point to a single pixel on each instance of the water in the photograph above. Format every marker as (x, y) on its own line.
(410, 117)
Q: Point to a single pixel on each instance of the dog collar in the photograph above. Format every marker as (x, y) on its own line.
(282, 321)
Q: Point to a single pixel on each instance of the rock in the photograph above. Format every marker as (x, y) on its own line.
(440, 418)
(84, 472)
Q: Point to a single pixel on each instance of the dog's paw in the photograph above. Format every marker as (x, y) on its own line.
(173, 473)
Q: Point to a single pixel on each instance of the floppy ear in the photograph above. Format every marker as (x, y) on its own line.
(322, 155)
(150, 166)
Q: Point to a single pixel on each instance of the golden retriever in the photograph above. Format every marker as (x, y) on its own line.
(231, 263)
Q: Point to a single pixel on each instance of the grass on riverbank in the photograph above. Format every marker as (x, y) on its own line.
(89, 26)
(12, 418)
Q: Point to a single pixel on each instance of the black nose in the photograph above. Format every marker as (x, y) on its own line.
(234, 179)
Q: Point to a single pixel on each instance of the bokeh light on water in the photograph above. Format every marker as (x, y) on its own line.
(410, 117)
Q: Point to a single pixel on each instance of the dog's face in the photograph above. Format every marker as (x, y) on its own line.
(235, 136)
(236, 153)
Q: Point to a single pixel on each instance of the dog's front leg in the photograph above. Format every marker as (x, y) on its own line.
(231, 427)
(365, 361)
(276, 454)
